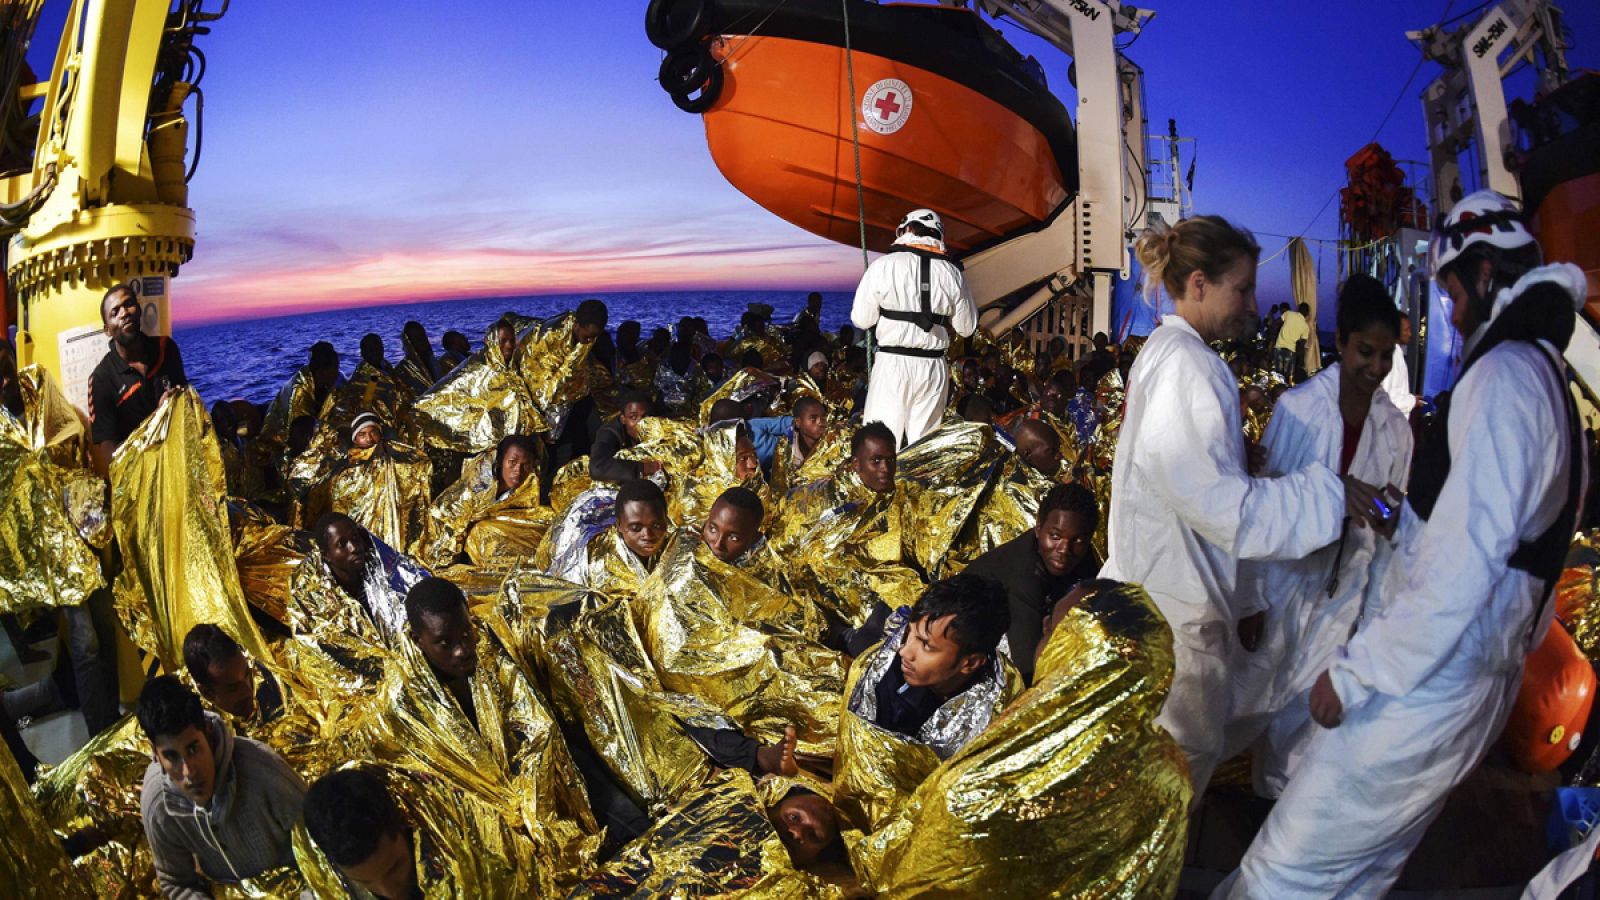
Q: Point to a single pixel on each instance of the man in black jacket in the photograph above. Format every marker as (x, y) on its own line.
(619, 434)
(1039, 567)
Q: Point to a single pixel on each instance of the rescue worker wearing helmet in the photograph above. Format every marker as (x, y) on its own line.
(1410, 705)
(917, 299)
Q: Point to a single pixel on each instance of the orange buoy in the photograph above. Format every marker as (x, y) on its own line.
(1553, 703)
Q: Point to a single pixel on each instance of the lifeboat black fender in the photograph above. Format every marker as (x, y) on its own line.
(692, 77)
(671, 24)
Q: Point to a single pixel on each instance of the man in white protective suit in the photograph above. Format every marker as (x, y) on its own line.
(1184, 508)
(1343, 419)
(1411, 704)
(917, 298)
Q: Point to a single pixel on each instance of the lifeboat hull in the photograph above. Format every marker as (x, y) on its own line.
(947, 114)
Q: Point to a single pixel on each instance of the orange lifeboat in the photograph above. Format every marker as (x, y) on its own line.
(949, 115)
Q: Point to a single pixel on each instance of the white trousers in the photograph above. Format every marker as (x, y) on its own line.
(908, 394)
(1365, 793)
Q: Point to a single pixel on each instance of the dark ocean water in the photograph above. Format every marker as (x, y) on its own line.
(253, 358)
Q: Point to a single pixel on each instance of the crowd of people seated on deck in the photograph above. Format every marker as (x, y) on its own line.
(890, 609)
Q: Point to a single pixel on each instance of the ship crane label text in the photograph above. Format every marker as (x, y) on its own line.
(1487, 42)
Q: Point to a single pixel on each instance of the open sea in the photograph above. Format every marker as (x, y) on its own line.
(251, 359)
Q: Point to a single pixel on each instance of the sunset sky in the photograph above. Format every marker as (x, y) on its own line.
(358, 152)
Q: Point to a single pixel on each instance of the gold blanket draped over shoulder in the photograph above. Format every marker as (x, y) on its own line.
(700, 463)
(367, 390)
(845, 546)
(267, 555)
(947, 476)
(98, 787)
(480, 402)
(715, 842)
(41, 463)
(876, 770)
(463, 848)
(741, 386)
(468, 517)
(169, 510)
(586, 655)
(702, 619)
(1073, 791)
(556, 369)
(514, 759)
(32, 863)
(384, 488)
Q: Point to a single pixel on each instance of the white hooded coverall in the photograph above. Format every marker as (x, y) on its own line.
(1184, 511)
(1305, 623)
(908, 393)
(1428, 680)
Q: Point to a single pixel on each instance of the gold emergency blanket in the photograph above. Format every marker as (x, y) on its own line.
(1009, 507)
(267, 555)
(585, 654)
(480, 402)
(943, 477)
(701, 620)
(298, 397)
(494, 534)
(845, 546)
(555, 369)
(715, 842)
(514, 759)
(368, 390)
(1578, 594)
(54, 426)
(168, 505)
(339, 647)
(32, 864)
(98, 787)
(44, 562)
(876, 770)
(741, 386)
(464, 848)
(384, 488)
(1074, 791)
(832, 452)
(700, 464)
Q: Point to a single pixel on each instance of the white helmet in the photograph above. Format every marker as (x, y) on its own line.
(1478, 218)
(925, 217)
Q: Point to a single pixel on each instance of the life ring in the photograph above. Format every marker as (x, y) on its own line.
(671, 24)
(686, 71)
(693, 103)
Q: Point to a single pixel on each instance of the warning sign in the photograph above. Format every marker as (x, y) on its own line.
(81, 350)
(886, 107)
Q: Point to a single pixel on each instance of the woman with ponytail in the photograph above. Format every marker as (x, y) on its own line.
(1184, 509)
(1410, 705)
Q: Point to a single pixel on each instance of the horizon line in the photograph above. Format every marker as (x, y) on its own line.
(181, 318)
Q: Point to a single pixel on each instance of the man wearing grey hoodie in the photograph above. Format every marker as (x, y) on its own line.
(217, 808)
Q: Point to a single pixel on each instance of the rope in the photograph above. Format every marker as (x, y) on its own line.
(855, 141)
(855, 132)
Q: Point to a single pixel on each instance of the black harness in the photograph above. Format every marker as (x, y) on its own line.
(924, 318)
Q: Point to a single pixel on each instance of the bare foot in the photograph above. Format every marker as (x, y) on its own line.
(778, 759)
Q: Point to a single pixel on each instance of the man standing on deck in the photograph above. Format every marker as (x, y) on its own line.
(1291, 332)
(137, 372)
(918, 300)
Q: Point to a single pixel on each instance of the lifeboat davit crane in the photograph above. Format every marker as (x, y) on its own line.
(944, 113)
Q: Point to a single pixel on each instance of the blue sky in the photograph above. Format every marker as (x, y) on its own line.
(361, 151)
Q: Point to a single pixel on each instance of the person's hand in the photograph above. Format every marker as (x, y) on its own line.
(1360, 502)
(1255, 457)
(169, 393)
(648, 467)
(1250, 630)
(1326, 708)
(1392, 498)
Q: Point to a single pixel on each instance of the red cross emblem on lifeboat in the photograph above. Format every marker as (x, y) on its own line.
(886, 106)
